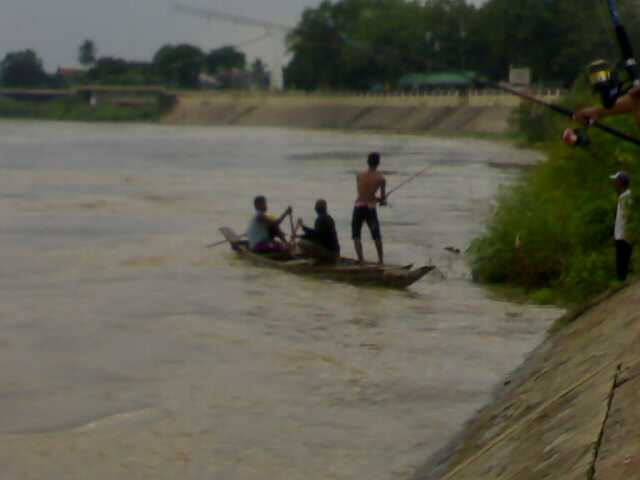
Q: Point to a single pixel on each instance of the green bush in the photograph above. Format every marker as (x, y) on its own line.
(554, 228)
(590, 273)
(544, 296)
(534, 122)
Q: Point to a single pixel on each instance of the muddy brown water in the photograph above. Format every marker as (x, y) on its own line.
(130, 351)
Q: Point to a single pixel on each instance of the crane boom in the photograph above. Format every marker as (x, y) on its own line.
(210, 14)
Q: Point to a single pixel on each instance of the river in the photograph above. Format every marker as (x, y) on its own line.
(130, 351)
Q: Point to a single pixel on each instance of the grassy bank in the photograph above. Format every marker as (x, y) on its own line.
(76, 109)
(552, 233)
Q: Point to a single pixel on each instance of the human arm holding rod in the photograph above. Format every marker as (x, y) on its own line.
(629, 103)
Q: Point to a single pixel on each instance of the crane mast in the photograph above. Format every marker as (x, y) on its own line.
(270, 29)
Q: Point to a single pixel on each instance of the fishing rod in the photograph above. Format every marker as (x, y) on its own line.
(581, 136)
(410, 179)
(628, 56)
(613, 83)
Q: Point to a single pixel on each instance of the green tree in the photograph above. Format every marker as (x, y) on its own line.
(117, 71)
(555, 39)
(316, 47)
(107, 67)
(22, 69)
(87, 53)
(225, 58)
(179, 65)
(355, 44)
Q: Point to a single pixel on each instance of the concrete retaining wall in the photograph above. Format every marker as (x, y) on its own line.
(573, 410)
(450, 114)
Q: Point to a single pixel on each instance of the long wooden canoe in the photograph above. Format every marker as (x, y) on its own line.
(346, 270)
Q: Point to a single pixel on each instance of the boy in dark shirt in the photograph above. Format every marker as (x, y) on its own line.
(321, 241)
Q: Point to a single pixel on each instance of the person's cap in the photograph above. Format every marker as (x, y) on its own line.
(620, 175)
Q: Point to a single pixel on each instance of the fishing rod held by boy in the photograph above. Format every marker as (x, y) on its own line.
(575, 137)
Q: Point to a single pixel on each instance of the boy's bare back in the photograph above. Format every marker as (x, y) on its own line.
(369, 182)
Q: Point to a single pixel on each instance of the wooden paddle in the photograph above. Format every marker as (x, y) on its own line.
(221, 242)
(293, 230)
(216, 244)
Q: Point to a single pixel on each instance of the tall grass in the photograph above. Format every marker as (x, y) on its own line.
(553, 230)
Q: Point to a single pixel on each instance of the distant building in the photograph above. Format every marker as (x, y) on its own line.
(208, 82)
(428, 82)
(520, 77)
(234, 79)
(69, 72)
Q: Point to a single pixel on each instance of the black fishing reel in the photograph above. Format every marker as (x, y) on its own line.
(609, 83)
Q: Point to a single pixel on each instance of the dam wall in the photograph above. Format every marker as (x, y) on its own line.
(571, 412)
(449, 113)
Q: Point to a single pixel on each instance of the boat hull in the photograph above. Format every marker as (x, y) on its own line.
(346, 270)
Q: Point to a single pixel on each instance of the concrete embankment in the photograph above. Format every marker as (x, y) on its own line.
(449, 114)
(571, 412)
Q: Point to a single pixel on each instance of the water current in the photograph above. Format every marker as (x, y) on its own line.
(130, 351)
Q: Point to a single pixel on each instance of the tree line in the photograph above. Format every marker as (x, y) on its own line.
(177, 66)
(355, 44)
(358, 44)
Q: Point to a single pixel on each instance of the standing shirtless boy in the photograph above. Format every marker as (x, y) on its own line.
(368, 183)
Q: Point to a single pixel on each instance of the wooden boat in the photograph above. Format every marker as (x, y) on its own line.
(346, 270)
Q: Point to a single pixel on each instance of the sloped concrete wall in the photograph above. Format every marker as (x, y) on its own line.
(572, 411)
(449, 114)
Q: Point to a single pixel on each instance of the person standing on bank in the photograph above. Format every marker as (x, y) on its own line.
(369, 183)
(624, 247)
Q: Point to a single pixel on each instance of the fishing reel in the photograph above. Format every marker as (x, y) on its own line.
(609, 83)
(576, 137)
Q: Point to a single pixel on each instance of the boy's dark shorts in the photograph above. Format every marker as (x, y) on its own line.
(362, 215)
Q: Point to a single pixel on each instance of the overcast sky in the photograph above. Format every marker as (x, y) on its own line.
(135, 29)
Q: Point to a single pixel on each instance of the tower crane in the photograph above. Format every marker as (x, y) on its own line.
(270, 29)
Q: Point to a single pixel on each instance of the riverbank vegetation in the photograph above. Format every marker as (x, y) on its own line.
(77, 109)
(552, 233)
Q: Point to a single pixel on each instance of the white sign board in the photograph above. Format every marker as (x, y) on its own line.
(520, 76)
